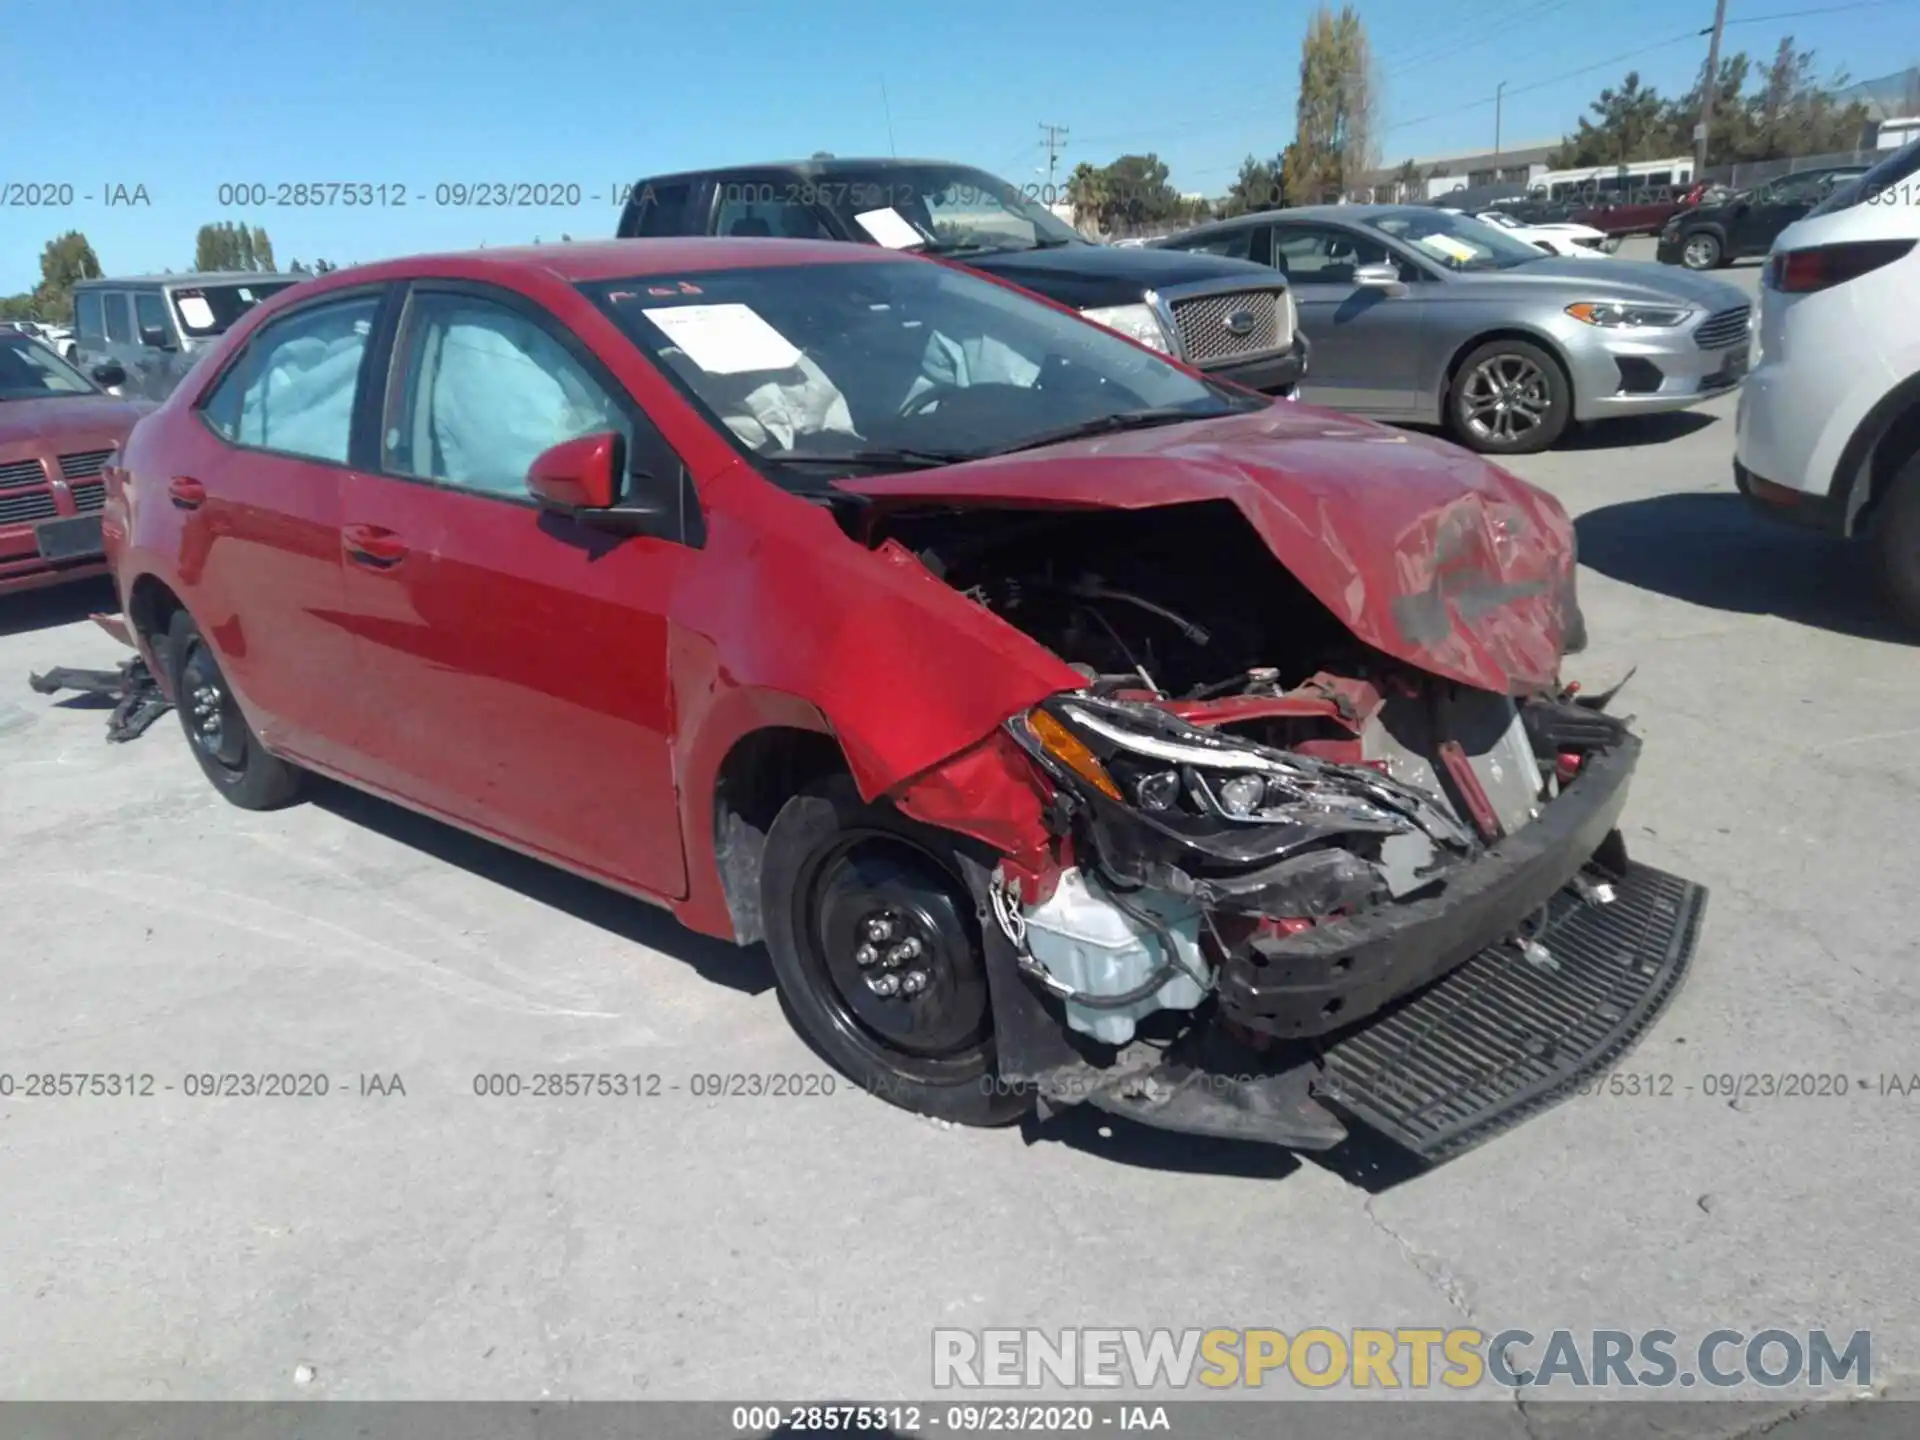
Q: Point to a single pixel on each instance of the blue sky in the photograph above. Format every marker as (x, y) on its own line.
(182, 96)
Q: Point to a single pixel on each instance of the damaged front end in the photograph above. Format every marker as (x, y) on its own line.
(1276, 899)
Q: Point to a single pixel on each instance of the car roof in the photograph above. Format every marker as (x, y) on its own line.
(191, 277)
(836, 166)
(1352, 214)
(580, 261)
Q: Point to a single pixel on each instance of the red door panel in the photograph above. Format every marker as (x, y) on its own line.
(513, 673)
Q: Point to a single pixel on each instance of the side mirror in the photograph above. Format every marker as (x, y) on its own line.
(109, 373)
(155, 337)
(579, 479)
(1379, 277)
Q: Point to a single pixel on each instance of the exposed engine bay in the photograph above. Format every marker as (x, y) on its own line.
(1239, 770)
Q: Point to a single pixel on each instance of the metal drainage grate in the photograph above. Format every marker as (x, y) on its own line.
(1500, 1039)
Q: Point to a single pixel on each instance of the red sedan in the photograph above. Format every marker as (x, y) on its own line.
(57, 429)
(1068, 725)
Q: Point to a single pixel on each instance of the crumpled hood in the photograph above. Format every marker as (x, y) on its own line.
(1422, 549)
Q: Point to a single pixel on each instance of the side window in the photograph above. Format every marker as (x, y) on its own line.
(1234, 244)
(1308, 255)
(757, 210)
(478, 390)
(87, 324)
(150, 313)
(119, 325)
(293, 389)
(662, 209)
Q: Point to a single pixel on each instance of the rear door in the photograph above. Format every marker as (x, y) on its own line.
(1366, 342)
(257, 499)
(513, 664)
(89, 329)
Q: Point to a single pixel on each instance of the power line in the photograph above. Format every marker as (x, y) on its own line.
(1537, 11)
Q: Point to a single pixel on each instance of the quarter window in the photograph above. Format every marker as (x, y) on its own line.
(479, 390)
(293, 389)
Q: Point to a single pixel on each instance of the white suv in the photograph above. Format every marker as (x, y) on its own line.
(1828, 433)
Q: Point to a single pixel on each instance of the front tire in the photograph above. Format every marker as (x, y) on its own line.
(228, 752)
(1509, 397)
(877, 948)
(1701, 251)
(1893, 541)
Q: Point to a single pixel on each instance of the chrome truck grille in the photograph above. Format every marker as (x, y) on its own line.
(1224, 326)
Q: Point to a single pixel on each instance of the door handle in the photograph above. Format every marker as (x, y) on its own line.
(186, 493)
(371, 545)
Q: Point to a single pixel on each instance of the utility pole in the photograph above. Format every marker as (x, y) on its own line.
(1705, 127)
(1055, 135)
(1498, 91)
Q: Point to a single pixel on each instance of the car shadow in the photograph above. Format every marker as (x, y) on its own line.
(1629, 430)
(744, 969)
(56, 605)
(1711, 550)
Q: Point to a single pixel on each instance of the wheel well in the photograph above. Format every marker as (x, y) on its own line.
(151, 607)
(1897, 443)
(1539, 342)
(763, 770)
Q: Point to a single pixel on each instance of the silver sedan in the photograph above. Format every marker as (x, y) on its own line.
(1418, 315)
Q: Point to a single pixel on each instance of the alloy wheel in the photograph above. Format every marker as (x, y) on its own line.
(1505, 399)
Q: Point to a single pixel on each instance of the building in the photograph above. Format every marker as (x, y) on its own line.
(1518, 165)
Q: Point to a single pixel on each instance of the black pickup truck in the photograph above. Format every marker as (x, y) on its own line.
(1230, 318)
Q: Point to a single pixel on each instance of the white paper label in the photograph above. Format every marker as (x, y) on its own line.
(890, 228)
(196, 312)
(725, 339)
(1448, 246)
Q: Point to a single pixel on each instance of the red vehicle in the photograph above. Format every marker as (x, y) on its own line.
(57, 429)
(1070, 726)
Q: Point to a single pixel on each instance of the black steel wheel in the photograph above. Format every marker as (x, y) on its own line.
(879, 952)
(228, 752)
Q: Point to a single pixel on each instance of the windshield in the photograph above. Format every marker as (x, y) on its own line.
(1457, 241)
(1504, 222)
(891, 365)
(211, 309)
(940, 208)
(30, 371)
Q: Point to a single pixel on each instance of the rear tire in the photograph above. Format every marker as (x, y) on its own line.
(1893, 541)
(846, 887)
(229, 753)
(1509, 397)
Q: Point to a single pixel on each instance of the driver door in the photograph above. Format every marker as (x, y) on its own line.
(1366, 341)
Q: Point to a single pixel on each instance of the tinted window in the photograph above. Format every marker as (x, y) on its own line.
(754, 210)
(150, 313)
(1234, 244)
(87, 324)
(658, 210)
(1309, 255)
(119, 326)
(479, 390)
(293, 389)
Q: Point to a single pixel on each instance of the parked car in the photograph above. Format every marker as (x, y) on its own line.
(1746, 223)
(1639, 212)
(1225, 316)
(1828, 432)
(56, 431)
(973, 656)
(1421, 316)
(155, 328)
(1577, 242)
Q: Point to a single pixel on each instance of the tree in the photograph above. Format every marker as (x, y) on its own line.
(1087, 194)
(63, 261)
(322, 267)
(1127, 196)
(262, 248)
(1631, 123)
(1259, 186)
(1408, 183)
(1337, 114)
(227, 246)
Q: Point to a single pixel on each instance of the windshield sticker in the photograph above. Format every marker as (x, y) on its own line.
(1448, 246)
(195, 311)
(890, 228)
(725, 339)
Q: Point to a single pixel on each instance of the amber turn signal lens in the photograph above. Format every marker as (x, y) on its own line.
(1066, 747)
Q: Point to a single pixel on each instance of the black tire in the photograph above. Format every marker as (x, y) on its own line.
(229, 753)
(835, 866)
(1522, 378)
(1893, 540)
(1701, 250)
